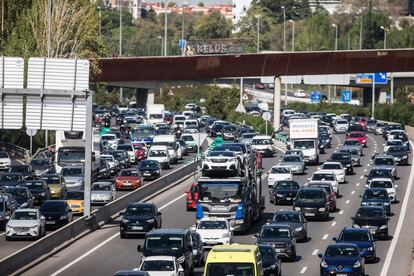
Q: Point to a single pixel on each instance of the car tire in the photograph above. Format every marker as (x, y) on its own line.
(123, 236)
(293, 256)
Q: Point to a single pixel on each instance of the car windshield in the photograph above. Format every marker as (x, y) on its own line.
(125, 147)
(222, 153)
(38, 162)
(17, 192)
(342, 122)
(261, 142)
(340, 157)
(108, 158)
(74, 195)
(384, 161)
(394, 143)
(283, 217)
(20, 169)
(331, 166)
(71, 171)
(369, 213)
(164, 242)
(303, 144)
(158, 265)
(281, 170)
(4, 154)
(275, 232)
(179, 118)
(351, 143)
(118, 154)
(323, 176)
(380, 184)
(356, 135)
(221, 192)
(187, 138)
(229, 128)
(10, 177)
(233, 148)
(311, 195)
(129, 173)
(291, 158)
(157, 153)
(351, 151)
(341, 251)
(371, 194)
(354, 236)
(101, 187)
(379, 174)
(287, 185)
(266, 252)
(51, 179)
(248, 135)
(395, 149)
(148, 165)
(205, 225)
(230, 269)
(134, 210)
(108, 137)
(53, 206)
(24, 215)
(34, 184)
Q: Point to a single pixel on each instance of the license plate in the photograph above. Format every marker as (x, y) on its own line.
(147, 174)
(342, 128)
(127, 184)
(288, 198)
(309, 214)
(341, 274)
(372, 231)
(50, 222)
(278, 250)
(137, 227)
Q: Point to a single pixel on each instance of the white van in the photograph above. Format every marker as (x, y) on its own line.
(160, 154)
(178, 121)
(170, 141)
(190, 124)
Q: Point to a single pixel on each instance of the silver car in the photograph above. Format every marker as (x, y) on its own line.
(26, 223)
(355, 145)
(385, 162)
(355, 154)
(247, 138)
(73, 177)
(102, 192)
(295, 162)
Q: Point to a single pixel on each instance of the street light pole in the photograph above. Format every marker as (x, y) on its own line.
(336, 36)
(165, 28)
(100, 23)
(385, 36)
(360, 34)
(258, 33)
(121, 91)
(293, 34)
(160, 37)
(284, 28)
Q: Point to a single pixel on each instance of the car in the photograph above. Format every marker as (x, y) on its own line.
(353, 144)
(399, 153)
(5, 161)
(295, 152)
(387, 184)
(198, 249)
(39, 190)
(25, 170)
(404, 138)
(299, 94)
(283, 192)
(393, 133)
(342, 258)
(388, 128)
(22, 196)
(362, 238)
(241, 150)
(73, 177)
(111, 140)
(341, 126)
(373, 218)
(104, 169)
(140, 151)
(228, 132)
(130, 150)
(354, 128)
(113, 164)
(379, 128)
(122, 158)
(385, 162)
(247, 138)
(161, 265)
(270, 260)
(295, 162)
(150, 169)
(192, 197)
(40, 166)
(378, 173)
(326, 176)
(277, 173)
(183, 146)
(189, 141)
(56, 185)
(221, 162)
(139, 218)
(128, 179)
(25, 223)
(312, 202)
(260, 86)
(102, 192)
(214, 231)
(280, 236)
(295, 220)
(336, 168)
(11, 179)
(324, 142)
(75, 201)
(355, 154)
(345, 159)
(359, 136)
(393, 142)
(57, 213)
(264, 144)
(160, 154)
(376, 197)
(327, 186)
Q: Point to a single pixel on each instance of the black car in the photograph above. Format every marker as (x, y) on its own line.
(280, 236)
(378, 173)
(283, 192)
(216, 130)
(228, 132)
(295, 220)
(39, 190)
(183, 146)
(41, 166)
(345, 159)
(11, 179)
(140, 218)
(399, 153)
(122, 157)
(312, 202)
(104, 169)
(22, 195)
(25, 170)
(270, 260)
(198, 249)
(150, 169)
(56, 212)
(404, 138)
(374, 218)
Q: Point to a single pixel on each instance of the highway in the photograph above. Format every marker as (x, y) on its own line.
(103, 252)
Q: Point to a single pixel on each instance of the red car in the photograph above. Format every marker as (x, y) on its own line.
(128, 179)
(363, 122)
(260, 86)
(360, 136)
(140, 151)
(192, 197)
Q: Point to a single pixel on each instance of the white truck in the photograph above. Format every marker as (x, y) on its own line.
(155, 113)
(304, 136)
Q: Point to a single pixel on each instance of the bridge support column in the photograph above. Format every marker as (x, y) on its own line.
(276, 103)
(151, 96)
(144, 96)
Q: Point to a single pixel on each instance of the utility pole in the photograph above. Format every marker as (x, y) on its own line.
(2, 16)
(49, 19)
(293, 34)
(165, 28)
(284, 28)
(360, 33)
(120, 45)
(258, 33)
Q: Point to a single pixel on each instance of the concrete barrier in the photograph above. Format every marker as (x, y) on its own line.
(83, 225)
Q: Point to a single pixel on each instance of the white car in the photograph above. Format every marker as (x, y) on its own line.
(161, 266)
(299, 94)
(102, 192)
(387, 184)
(325, 176)
(341, 125)
(214, 231)
(130, 150)
(221, 161)
(25, 223)
(278, 173)
(393, 142)
(264, 145)
(337, 168)
(160, 154)
(111, 140)
(113, 164)
(5, 160)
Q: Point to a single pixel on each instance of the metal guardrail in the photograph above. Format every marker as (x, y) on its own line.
(15, 151)
(29, 254)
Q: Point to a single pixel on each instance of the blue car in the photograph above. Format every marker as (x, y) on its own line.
(362, 237)
(343, 258)
(377, 197)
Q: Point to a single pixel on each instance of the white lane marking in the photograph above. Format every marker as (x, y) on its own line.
(404, 206)
(365, 170)
(315, 252)
(347, 201)
(105, 242)
(369, 165)
(357, 184)
(2, 233)
(325, 236)
(303, 270)
(352, 192)
(341, 212)
(280, 149)
(361, 177)
(333, 224)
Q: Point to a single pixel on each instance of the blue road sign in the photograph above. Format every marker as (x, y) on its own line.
(380, 78)
(346, 96)
(315, 97)
(181, 43)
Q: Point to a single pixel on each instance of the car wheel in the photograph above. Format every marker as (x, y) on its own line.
(8, 238)
(293, 256)
(123, 235)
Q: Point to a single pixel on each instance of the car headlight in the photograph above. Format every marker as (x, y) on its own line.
(383, 227)
(42, 194)
(386, 204)
(297, 208)
(405, 157)
(324, 264)
(208, 159)
(63, 217)
(322, 209)
(299, 229)
(226, 235)
(125, 221)
(34, 227)
(364, 203)
(348, 165)
(157, 171)
(357, 264)
(370, 248)
(150, 220)
(24, 204)
(232, 160)
(279, 195)
(181, 259)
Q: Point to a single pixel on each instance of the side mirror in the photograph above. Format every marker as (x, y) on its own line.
(256, 235)
(231, 229)
(121, 213)
(42, 218)
(139, 248)
(159, 213)
(7, 217)
(320, 255)
(352, 218)
(334, 238)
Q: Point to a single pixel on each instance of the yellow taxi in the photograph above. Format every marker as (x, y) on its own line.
(75, 201)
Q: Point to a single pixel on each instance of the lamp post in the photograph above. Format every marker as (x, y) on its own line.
(293, 34)
(121, 91)
(160, 37)
(100, 23)
(360, 33)
(336, 36)
(284, 28)
(385, 36)
(258, 33)
(165, 28)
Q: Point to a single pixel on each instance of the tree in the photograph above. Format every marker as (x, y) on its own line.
(212, 26)
(294, 9)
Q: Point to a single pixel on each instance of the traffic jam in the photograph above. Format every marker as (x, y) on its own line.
(257, 203)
